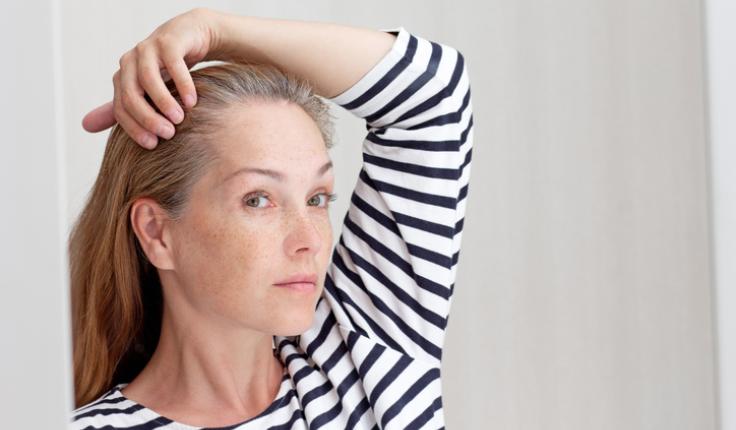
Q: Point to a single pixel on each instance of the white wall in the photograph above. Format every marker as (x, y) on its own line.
(584, 295)
(584, 292)
(35, 369)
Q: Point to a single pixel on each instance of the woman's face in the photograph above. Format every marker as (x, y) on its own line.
(245, 230)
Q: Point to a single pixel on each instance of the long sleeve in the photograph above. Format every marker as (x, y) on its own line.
(393, 270)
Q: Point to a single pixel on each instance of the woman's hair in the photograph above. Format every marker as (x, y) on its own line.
(116, 294)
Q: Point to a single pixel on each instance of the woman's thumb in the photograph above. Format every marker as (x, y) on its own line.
(99, 119)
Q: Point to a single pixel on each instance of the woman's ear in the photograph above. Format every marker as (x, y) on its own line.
(150, 225)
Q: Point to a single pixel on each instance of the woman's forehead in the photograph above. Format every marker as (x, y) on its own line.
(269, 131)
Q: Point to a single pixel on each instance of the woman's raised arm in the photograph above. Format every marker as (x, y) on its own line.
(332, 57)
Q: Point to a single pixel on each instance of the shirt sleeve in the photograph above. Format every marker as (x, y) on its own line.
(393, 269)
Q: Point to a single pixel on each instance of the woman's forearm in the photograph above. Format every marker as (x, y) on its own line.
(331, 57)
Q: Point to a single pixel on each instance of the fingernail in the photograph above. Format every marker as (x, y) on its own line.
(176, 115)
(189, 100)
(166, 131)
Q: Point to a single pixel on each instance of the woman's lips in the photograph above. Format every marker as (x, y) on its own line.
(298, 286)
(300, 282)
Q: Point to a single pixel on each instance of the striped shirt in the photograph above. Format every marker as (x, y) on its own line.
(372, 357)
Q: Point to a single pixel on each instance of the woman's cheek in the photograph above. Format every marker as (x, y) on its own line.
(252, 245)
(326, 233)
(219, 247)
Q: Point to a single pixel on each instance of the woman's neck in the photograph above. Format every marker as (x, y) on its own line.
(206, 375)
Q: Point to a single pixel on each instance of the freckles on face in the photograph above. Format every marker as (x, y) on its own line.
(219, 257)
(229, 253)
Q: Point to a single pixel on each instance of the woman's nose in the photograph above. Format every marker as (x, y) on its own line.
(304, 235)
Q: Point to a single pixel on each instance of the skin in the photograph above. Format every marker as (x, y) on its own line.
(219, 262)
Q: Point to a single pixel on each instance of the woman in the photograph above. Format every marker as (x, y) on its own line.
(205, 292)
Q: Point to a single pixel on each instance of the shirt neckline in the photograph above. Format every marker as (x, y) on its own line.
(161, 419)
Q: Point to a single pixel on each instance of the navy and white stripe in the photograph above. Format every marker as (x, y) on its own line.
(372, 357)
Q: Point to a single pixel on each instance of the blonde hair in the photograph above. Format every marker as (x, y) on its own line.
(116, 294)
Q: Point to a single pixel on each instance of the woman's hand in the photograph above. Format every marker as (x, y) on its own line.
(168, 52)
(332, 57)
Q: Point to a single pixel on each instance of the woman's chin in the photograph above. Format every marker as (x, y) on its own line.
(294, 325)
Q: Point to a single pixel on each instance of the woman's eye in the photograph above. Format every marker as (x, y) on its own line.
(253, 200)
(259, 199)
(326, 198)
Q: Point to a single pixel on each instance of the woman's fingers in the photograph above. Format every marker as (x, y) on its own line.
(150, 78)
(179, 72)
(132, 101)
(143, 105)
(135, 131)
(128, 123)
(100, 118)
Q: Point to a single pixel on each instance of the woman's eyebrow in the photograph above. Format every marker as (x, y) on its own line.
(274, 174)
